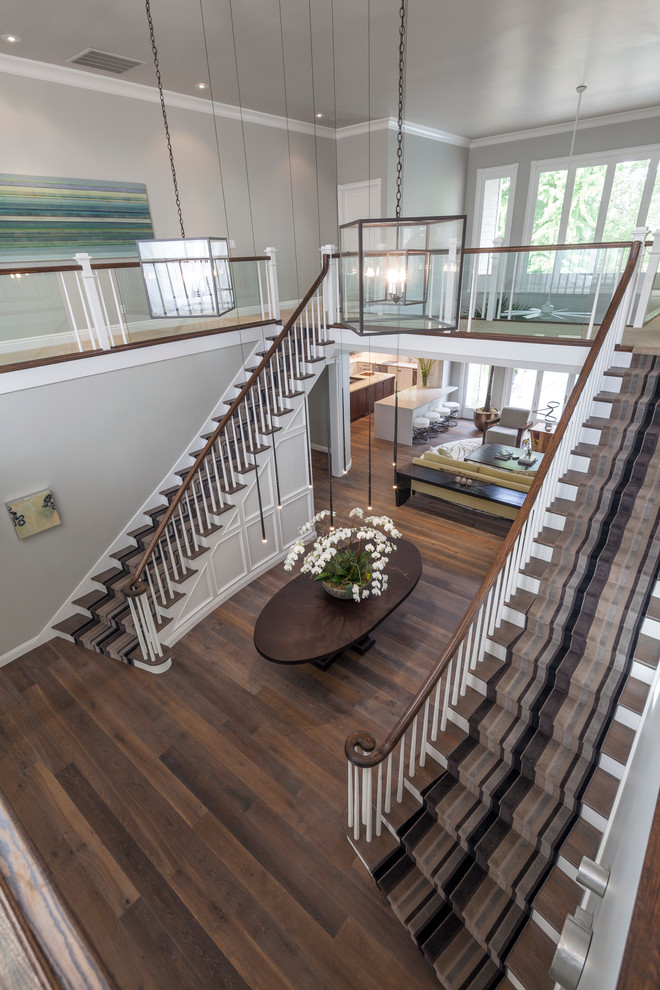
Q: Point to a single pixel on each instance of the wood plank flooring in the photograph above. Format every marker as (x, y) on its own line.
(193, 822)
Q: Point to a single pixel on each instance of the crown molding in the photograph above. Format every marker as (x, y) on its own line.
(390, 124)
(65, 76)
(534, 132)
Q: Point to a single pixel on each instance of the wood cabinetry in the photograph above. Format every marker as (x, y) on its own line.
(362, 399)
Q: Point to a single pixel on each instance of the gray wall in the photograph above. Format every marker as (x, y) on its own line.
(588, 140)
(434, 173)
(102, 443)
(61, 130)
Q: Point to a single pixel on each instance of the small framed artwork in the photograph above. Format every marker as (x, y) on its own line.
(32, 514)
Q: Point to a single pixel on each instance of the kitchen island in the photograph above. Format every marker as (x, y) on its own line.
(413, 402)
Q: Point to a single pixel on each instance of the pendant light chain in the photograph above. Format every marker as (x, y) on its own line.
(399, 135)
(165, 123)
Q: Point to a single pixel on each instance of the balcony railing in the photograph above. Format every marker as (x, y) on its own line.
(66, 310)
(558, 290)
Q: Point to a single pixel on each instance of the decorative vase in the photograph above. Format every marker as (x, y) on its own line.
(344, 591)
(482, 419)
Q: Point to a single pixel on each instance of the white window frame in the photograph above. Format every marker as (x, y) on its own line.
(609, 158)
(483, 175)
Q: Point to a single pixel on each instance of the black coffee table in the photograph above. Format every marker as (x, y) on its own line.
(486, 455)
(302, 623)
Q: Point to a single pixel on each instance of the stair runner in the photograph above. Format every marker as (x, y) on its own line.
(471, 861)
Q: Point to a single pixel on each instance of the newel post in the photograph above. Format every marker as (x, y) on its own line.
(648, 281)
(331, 286)
(271, 280)
(91, 299)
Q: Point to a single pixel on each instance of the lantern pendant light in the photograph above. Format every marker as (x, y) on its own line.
(401, 275)
(184, 277)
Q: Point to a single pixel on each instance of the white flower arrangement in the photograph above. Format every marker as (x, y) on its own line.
(348, 555)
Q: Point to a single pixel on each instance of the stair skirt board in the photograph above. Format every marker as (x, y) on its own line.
(106, 626)
(471, 861)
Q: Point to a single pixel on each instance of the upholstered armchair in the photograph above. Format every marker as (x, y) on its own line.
(513, 423)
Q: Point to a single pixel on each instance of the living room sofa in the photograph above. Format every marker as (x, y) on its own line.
(488, 489)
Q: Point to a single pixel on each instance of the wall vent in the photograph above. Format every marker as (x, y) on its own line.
(105, 61)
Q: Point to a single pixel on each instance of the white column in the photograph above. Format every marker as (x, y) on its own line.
(491, 311)
(340, 414)
(450, 281)
(331, 285)
(626, 307)
(90, 287)
(647, 281)
(273, 289)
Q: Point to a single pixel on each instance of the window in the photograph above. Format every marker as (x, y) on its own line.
(599, 198)
(476, 385)
(493, 205)
(532, 389)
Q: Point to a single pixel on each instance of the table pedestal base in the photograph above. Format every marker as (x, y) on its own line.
(361, 645)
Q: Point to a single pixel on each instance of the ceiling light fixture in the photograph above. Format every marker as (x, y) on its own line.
(319, 115)
(201, 85)
(11, 39)
(183, 278)
(401, 275)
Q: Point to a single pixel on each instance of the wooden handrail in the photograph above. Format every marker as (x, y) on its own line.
(133, 586)
(535, 248)
(98, 265)
(371, 755)
(62, 266)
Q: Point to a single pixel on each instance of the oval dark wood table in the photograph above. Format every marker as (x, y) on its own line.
(302, 623)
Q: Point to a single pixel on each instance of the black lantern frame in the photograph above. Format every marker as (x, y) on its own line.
(189, 277)
(402, 275)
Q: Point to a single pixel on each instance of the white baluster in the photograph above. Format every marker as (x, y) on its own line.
(350, 794)
(368, 803)
(379, 800)
(402, 763)
(413, 748)
(388, 786)
(425, 729)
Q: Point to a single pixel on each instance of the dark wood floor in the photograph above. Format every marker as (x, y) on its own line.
(193, 822)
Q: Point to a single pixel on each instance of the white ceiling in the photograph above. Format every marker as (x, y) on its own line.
(475, 68)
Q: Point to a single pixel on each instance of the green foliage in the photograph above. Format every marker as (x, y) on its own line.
(425, 366)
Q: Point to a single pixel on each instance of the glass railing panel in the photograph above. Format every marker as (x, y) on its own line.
(41, 316)
(128, 312)
(551, 293)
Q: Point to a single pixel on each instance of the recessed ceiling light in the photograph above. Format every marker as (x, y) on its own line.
(201, 85)
(11, 39)
(319, 115)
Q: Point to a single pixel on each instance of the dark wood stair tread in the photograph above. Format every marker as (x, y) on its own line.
(531, 958)
(634, 695)
(647, 650)
(73, 623)
(601, 792)
(558, 897)
(618, 742)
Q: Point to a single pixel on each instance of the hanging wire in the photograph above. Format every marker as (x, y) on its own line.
(579, 90)
(316, 152)
(334, 106)
(399, 132)
(215, 120)
(154, 49)
(288, 141)
(240, 111)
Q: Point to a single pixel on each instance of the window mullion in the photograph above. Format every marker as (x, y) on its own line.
(645, 202)
(604, 202)
(566, 208)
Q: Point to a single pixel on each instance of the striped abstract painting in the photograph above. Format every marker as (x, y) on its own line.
(45, 218)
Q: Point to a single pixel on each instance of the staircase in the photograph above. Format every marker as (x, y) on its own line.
(483, 871)
(126, 613)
